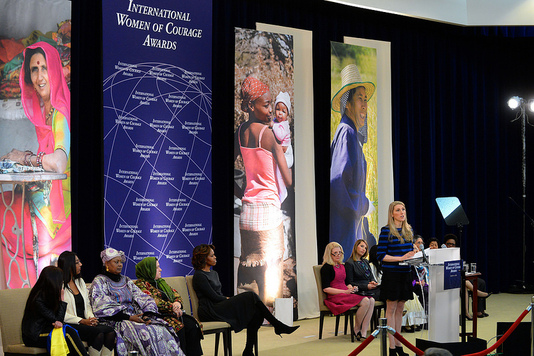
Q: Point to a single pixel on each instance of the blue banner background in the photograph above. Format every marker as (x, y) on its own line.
(157, 130)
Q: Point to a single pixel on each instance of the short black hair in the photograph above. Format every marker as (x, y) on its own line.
(450, 236)
(433, 239)
(200, 254)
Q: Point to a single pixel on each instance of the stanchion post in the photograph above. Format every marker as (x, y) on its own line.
(383, 322)
(531, 326)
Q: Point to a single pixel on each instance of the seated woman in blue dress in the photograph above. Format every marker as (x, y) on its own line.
(119, 303)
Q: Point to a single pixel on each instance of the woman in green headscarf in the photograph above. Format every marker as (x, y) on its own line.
(169, 302)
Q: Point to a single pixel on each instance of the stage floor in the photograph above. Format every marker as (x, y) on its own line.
(502, 307)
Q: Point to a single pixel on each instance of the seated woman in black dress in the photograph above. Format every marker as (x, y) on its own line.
(45, 311)
(359, 272)
(242, 311)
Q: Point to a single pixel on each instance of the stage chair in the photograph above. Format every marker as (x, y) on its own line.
(377, 312)
(323, 309)
(13, 302)
(180, 284)
(211, 327)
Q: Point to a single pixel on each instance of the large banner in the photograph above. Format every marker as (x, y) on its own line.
(157, 130)
(353, 148)
(264, 220)
(35, 205)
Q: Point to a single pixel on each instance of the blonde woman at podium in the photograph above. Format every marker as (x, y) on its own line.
(395, 245)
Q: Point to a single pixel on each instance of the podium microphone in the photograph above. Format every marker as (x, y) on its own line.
(422, 247)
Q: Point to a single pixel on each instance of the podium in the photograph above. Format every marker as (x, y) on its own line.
(443, 304)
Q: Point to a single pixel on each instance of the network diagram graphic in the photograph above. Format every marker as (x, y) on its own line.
(157, 166)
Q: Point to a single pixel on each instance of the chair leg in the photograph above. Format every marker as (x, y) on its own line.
(346, 322)
(321, 323)
(337, 324)
(351, 316)
(374, 318)
(229, 337)
(217, 337)
(225, 343)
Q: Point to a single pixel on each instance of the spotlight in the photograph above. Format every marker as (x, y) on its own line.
(531, 105)
(514, 102)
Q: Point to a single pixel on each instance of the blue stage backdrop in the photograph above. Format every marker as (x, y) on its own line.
(157, 130)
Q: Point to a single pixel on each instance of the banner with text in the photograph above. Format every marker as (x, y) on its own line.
(157, 130)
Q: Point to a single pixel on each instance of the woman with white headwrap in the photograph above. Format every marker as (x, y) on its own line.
(119, 303)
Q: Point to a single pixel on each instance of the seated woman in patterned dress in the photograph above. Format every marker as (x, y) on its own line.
(341, 296)
(119, 303)
(170, 304)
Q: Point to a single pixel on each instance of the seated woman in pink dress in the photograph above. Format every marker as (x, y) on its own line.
(341, 296)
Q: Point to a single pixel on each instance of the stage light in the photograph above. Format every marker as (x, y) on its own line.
(514, 102)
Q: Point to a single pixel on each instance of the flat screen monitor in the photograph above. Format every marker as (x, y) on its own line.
(452, 211)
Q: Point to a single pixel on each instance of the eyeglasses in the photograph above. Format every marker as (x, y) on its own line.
(336, 253)
(450, 244)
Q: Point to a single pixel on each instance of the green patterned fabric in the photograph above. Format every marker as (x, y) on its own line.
(146, 269)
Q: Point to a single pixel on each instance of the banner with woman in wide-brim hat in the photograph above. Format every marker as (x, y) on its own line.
(353, 197)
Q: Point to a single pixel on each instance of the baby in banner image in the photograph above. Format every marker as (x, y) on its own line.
(282, 133)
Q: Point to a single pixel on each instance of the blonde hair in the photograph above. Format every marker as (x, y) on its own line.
(406, 229)
(355, 248)
(327, 257)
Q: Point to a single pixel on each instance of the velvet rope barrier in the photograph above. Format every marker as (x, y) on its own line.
(418, 352)
(364, 344)
(505, 336)
(407, 344)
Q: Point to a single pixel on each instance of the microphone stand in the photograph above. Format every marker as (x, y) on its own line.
(425, 258)
(523, 287)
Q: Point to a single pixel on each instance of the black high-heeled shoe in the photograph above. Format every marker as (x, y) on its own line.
(360, 337)
(285, 329)
(400, 351)
(486, 297)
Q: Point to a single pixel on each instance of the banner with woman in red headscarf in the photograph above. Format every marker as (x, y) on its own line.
(35, 211)
(264, 242)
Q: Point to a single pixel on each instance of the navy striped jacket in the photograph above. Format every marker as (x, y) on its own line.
(390, 245)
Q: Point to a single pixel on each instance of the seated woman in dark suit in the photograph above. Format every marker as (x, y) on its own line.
(242, 311)
(359, 272)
